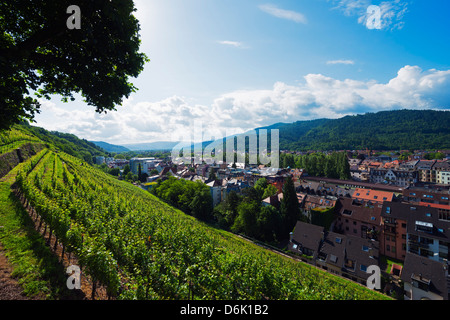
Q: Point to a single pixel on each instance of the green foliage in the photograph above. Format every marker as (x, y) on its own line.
(194, 198)
(334, 165)
(38, 52)
(434, 155)
(323, 217)
(289, 207)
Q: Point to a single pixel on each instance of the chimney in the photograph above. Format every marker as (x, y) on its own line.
(291, 235)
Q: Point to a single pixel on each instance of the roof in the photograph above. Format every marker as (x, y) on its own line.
(427, 271)
(334, 248)
(363, 252)
(429, 218)
(365, 211)
(320, 201)
(374, 195)
(337, 249)
(214, 183)
(395, 210)
(308, 236)
(442, 165)
(435, 205)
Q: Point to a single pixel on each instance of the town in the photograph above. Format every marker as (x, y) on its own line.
(392, 212)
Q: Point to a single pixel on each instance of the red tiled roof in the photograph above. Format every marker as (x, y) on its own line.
(375, 195)
(435, 205)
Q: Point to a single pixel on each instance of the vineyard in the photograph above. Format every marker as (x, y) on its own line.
(138, 247)
(14, 138)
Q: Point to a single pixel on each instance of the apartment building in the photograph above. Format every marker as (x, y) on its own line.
(426, 233)
(361, 218)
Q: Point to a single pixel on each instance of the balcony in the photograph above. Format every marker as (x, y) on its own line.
(390, 223)
(418, 244)
(390, 230)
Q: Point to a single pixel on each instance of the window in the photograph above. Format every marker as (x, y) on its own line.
(412, 194)
(388, 209)
(404, 225)
(350, 264)
(428, 214)
(363, 268)
(333, 258)
(365, 248)
(424, 226)
(444, 198)
(338, 240)
(384, 198)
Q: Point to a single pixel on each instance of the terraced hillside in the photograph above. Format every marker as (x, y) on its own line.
(135, 246)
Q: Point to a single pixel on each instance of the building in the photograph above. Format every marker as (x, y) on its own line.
(443, 177)
(274, 201)
(143, 163)
(425, 171)
(425, 279)
(312, 202)
(215, 188)
(410, 228)
(306, 240)
(346, 256)
(360, 218)
(401, 178)
(394, 219)
(426, 195)
(440, 172)
(428, 235)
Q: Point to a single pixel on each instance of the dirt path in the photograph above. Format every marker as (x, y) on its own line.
(10, 289)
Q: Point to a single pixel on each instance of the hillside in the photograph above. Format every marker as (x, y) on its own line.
(24, 133)
(110, 147)
(386, 130)
(136, 246)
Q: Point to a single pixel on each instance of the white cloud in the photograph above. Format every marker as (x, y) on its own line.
(236, 44)
(340, 62)
(318, 96)
(391, 12)
(283, 14)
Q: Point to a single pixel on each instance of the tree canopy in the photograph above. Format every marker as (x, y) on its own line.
(38, 52)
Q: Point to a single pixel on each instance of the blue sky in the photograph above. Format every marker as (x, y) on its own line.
(236, 65)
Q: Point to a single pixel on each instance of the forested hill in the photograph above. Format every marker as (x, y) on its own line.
(387, 130)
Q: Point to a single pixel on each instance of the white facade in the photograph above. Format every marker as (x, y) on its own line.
(443, 177)
(412, 292)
